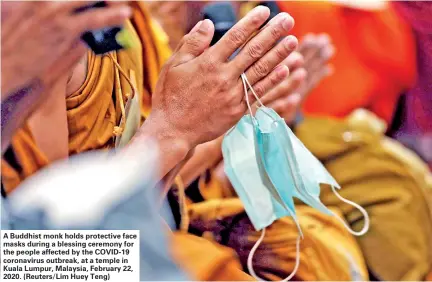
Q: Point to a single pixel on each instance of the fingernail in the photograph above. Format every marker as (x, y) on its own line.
(205, 25)
(292, 42)
(262, 11)
(195, 28)
(287, 21)
(282, 71)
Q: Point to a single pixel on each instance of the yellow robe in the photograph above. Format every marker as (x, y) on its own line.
(390, 181)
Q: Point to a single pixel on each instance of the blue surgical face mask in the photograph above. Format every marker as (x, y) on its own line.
(248, 177)
(291, 170)
(247, 173)
(299, 167)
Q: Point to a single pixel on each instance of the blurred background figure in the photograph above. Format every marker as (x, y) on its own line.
(65, 197)
(416, 127)
(347, 117)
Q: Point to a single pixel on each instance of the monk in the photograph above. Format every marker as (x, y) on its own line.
(108, 97)
(35, 64)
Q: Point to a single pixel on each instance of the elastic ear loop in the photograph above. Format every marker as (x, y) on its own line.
(360, 208)
(260, 240)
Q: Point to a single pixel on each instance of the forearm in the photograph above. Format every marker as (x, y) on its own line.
(15, 109)
(204, 157)
(172, 148)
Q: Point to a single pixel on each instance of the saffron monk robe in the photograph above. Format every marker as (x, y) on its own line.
(108, 97)
(373, 65)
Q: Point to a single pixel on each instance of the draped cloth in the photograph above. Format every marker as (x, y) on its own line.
(328, 252)
(391, 182)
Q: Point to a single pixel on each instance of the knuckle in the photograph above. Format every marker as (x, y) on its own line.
(274, 80)
(261, 69)
(225, 80)
(260, 90)
(237, 36)
(255, 51)
(281, 53)
(275, 32)
(209, 65)
(193, 43)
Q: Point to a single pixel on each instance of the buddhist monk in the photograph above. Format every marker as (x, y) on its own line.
(50, 31)
(98, 108)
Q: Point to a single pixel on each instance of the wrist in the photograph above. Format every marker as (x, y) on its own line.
(168, 138)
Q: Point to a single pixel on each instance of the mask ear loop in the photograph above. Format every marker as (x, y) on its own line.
(255, 247)
(243, 77)
(255, 95)
(260, 240)
(360, 208)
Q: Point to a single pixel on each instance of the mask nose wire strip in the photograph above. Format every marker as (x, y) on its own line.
(360, 208)
(255, 247)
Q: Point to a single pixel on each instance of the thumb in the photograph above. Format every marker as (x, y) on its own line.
(195, 43)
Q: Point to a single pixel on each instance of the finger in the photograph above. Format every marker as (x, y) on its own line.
(99, 18)
(13, 14)
(307, 45)
(287, 108)
(286, 88)
(272, 80)
(270, 60)
(194, 43)
(69, 6)
(66, 63)
(240, 33)
(258, 46)
(294, 61)
(321, 42)
(314, 80)
(292, 108)
(321, 61)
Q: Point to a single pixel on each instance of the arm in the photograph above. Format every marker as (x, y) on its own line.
(15, 109)
(205, 156)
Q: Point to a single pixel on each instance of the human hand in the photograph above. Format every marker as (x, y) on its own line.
(308, 67)
(172, 16)
(283, 98)
(200, 95)
(317, 50)
(41, 40)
